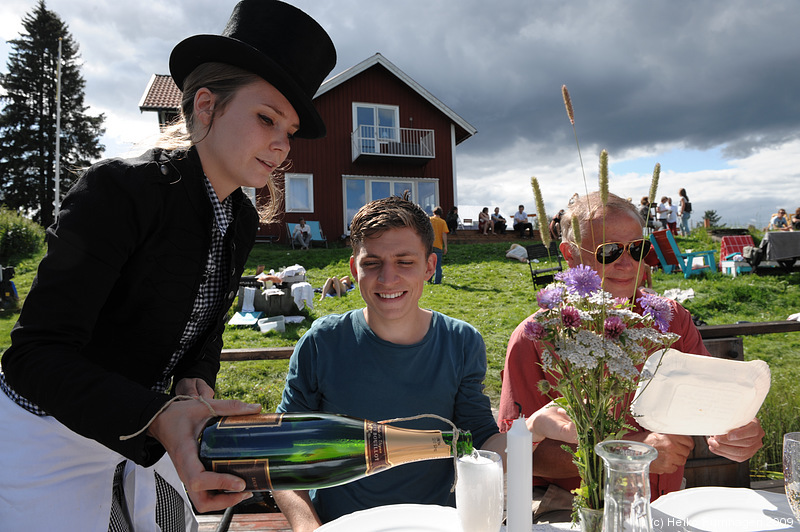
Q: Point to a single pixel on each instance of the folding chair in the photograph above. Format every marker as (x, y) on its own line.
(672, 259)
(539, 251)
(731, 246)
(316, 233)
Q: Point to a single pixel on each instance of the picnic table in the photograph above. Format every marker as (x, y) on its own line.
(781, 246)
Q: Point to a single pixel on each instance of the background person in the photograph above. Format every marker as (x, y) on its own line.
(452, 220)
(302, 234)
(521, 223)
(485, 224)
(394, 359)
(646, 212)
(796, 220)
(672, 217)
(440, 231)
(499, 222)
(146, 254)
(685, 212)
(335, 286)
(778, 222)
(554, 473)
(662, 212)
(555, 226)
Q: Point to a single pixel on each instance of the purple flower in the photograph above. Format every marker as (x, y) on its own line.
(658, 308)
(534, 330)
(549, 298)
(613, 327)
(581, 280)
(570, 317)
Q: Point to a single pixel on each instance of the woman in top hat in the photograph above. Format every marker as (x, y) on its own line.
(111, 372)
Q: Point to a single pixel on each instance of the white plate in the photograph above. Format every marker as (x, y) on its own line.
(715, 509)
(698, 395)
(397, 517)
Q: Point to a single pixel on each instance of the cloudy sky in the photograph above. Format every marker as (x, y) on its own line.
(711, 90)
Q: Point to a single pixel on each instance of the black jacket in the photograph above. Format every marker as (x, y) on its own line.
(112, 296)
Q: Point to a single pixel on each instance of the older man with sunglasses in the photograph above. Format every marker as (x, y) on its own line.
(611, 244)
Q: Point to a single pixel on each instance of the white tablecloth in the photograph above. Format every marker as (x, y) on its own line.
(722, 509)
(709, 509)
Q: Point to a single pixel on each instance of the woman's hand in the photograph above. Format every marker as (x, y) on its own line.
(177, 429)
(194, 388)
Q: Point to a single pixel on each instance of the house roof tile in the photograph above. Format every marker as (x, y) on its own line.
(161, 94)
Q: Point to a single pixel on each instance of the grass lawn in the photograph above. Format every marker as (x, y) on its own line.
(495, 294)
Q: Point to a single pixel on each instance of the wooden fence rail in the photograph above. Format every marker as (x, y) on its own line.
(264, 353)
(748, 329)
(706, 331)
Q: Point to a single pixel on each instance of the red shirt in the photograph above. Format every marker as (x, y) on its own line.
(523, 371)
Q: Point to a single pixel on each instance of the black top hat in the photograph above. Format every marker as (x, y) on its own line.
(278, 42)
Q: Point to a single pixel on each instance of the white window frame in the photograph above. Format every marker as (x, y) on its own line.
(379, 138)
(309, 200)
(413, 183)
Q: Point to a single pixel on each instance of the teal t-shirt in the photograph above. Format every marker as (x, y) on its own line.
(340, 366)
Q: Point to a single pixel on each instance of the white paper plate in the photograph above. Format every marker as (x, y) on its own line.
(715, 509)
(397, 517)
(698, 395)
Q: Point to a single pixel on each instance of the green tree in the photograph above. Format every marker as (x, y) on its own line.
(712, 217)
(28, 117)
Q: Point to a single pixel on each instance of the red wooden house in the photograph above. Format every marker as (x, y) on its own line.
(386, 135)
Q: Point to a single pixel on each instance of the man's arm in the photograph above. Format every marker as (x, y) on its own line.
(297, 507)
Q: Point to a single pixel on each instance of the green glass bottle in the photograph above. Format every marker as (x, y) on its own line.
(316, 450)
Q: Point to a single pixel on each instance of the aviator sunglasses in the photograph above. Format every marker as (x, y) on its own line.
(610, 251)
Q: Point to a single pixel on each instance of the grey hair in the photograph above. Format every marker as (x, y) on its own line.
(588, 208)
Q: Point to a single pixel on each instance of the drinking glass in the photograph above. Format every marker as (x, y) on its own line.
(791, 470)
(479, 492)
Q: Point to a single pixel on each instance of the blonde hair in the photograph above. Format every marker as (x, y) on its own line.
(223, 81)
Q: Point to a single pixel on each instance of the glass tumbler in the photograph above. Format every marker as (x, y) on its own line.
(479, 492)
(791, 470)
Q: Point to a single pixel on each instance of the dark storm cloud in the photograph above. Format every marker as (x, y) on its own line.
(700, 73)
(645, 77)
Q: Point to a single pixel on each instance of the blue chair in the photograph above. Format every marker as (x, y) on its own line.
(672, 259)
(316, 233)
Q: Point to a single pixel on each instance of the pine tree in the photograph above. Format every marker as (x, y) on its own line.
(28, 118)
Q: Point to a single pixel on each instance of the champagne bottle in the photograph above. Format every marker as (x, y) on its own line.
(316, 450)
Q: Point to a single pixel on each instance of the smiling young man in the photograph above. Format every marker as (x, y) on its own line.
(393, 359)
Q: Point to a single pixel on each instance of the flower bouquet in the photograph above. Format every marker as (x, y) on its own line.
(592, 345)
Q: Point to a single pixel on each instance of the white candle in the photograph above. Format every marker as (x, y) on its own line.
(519, 481)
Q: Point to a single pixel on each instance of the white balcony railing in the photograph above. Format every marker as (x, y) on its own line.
(393, 142)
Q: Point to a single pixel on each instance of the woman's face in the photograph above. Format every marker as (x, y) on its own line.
(248, 139)
(621, 277)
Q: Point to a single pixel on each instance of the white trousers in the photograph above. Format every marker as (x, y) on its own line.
(54, 479)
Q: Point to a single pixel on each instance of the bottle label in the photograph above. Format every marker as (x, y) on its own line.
(375, 438)
(254, 420)
(254, 472)
(408, 445)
